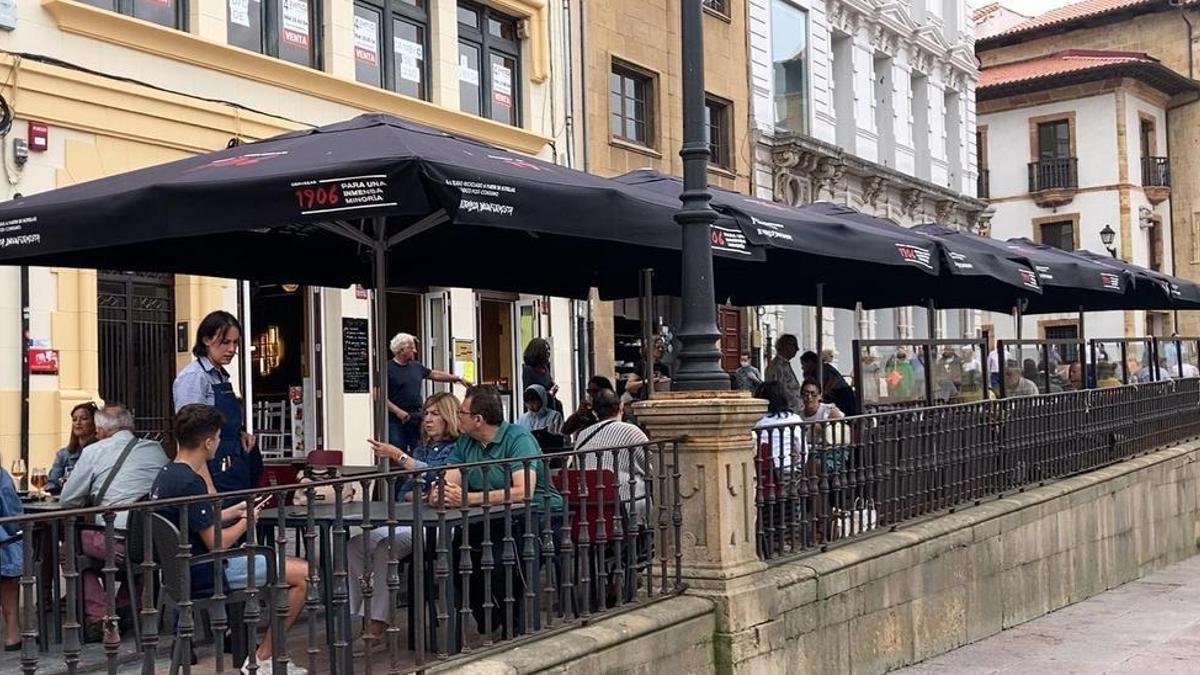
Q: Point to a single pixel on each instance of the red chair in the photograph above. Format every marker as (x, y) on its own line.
(324, 458)
(592, 499)
(767, 474)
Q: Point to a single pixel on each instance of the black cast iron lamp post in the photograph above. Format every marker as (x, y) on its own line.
(1107, 235)
(699, 361)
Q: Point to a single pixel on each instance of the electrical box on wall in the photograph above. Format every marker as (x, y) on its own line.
(39, 136)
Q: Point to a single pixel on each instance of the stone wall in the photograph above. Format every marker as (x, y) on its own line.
(901, 597)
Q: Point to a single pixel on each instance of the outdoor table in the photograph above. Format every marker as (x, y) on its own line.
(48, 535)
(324, 517)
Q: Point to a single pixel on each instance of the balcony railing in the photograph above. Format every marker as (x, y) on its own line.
(983, 184)
(1053, 174)
(1156, 172)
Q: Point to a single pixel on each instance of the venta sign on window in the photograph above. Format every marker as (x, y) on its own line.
(295, 22)
(366, 40)
(501, 84)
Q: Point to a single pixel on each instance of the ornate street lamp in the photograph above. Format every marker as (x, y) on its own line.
(699, 362)
(1107, 235)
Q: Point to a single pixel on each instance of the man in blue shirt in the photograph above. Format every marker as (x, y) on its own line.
(516, 463)
(405, 397)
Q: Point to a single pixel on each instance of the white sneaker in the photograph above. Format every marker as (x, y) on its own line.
(264, 668)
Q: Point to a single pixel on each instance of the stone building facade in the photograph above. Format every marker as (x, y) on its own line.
(870, 105)
(1166, 32)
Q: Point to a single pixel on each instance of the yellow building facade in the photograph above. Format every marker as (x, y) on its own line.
(166, 79)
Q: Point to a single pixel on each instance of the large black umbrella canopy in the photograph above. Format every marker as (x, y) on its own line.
(304, 206)
(856, 262)
(1152, 289)
(1070, 282)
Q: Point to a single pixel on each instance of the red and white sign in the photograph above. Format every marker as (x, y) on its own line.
(295, 22)
(366, 40)
(39, 136)
(501, 84)
(43, 361)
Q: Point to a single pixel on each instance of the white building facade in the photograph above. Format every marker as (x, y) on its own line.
(1073, 143)
(868, 104)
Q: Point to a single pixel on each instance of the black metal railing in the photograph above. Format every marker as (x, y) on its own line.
(483, 567)
(983, 184)
(1052, 174)
(1156, 171)
(823, 482)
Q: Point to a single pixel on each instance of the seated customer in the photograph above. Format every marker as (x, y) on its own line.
(119, 468)
(11, 561)
(628, 462)
(487, 437)
(83, 434)
(584, 417)
(197, 435)
(1015, 383)
(439, 430)
(539, 416)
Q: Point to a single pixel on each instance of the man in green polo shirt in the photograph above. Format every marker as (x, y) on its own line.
(516, 462)
(486, 437)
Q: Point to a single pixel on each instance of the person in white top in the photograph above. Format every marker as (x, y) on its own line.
(780, 427)
(812, 409)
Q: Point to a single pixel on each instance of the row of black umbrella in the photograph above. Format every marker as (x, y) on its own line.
(328, 206)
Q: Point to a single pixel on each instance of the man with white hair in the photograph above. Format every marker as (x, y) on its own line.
(405, 374)
(118, 468)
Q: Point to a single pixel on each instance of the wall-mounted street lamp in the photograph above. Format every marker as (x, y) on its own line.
(1107, 235)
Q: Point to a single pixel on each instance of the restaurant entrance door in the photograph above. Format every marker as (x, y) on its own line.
(497, 354)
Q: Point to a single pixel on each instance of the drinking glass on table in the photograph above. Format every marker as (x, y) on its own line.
(38, 479)
(18, 469)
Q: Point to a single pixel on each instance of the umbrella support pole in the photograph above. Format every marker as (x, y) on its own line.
(379, 249)
(646, 316)
(931, 320)
(820, 328)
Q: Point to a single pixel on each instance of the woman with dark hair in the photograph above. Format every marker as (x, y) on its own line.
(83, 434)
(536, 370)
(237, 463)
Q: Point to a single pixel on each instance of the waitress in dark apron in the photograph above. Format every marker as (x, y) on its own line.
(237, 464)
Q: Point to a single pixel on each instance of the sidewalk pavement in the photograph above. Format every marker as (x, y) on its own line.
(1147, 626)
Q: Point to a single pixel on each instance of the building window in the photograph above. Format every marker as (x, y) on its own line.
(1054, 166)
(629, 101)
(1054, 139)
(789, 56)
(983, 187)
(285, 29)
(717, 131)
(169, 13)
(488, 69)
(1059, 234)
(403, 68)
(718, 6)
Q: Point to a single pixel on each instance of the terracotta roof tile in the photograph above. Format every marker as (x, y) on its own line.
(1077, 10)
(1066, 61)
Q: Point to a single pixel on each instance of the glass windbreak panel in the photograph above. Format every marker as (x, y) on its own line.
(1108, 367)
(468, 79)
(368, 61)
(245, 27)
(892, 377)
(296, 27)
(408, 42)
(1139, 362)
(161, 12)
(789, 56)
(503, 72)
(957, 374)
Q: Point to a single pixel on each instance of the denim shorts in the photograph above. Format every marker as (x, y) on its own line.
(237, 571)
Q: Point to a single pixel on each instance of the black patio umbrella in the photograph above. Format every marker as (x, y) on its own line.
(843, 249)
(370, 200)
(1151, 289)
(805, 247)
(1070, 282)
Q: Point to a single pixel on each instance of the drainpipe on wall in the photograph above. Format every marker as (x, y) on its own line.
(583, 99)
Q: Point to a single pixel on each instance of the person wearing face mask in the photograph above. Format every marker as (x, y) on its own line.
(746, 377)
(237, 463)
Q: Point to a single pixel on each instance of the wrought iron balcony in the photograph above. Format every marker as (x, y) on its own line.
(1059, 173)
(1156, 172)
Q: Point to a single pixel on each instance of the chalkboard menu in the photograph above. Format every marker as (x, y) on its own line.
(356, 356)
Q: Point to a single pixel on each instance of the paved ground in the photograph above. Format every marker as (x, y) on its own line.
(1146, 626)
